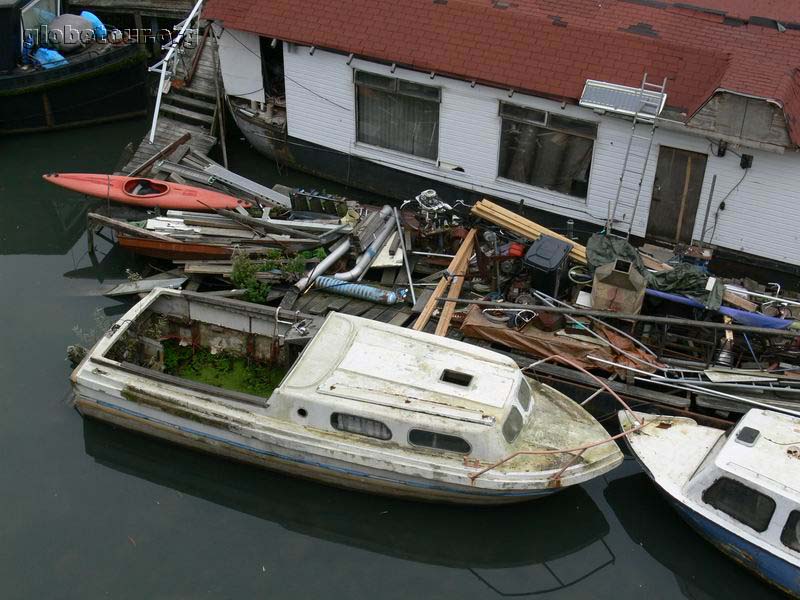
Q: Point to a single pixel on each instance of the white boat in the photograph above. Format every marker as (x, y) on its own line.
(739, 489)
(363, 404)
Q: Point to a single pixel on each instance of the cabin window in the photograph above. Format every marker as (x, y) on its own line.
(513, 425)
(438, 441)
(790, 536)
(37, 14)
(360, 426)
(524, 395)
(398, 115)
(546, 150)
(741, 502)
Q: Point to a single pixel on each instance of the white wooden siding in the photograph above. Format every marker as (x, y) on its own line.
(760, 218)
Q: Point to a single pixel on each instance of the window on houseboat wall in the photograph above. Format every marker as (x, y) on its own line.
(398, 115)
(438, 441)
(546, 150)
(790, 536)
(38, 13)
(741, 502)
(360, 426)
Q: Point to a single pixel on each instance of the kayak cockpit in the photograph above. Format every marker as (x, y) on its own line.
(145, 188)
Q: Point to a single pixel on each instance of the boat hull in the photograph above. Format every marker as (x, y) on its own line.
(329, 472)
(169, 196)
(173, 250)
(772, 569)
(105, 86)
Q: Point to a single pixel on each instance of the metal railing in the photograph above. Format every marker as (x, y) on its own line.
(575, 452)
(165, 64)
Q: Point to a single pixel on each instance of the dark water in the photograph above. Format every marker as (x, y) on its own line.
(87, 511)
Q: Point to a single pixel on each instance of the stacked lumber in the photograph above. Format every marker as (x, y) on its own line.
(494, 213)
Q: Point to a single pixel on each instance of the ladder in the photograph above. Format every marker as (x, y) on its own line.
(649, 103)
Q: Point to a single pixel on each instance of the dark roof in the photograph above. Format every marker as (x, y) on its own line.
(551, 47)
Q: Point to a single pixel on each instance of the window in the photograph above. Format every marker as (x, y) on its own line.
(360, 426)
(398, 115)
(438, 441)
(743, 503)
(513, 425)
(790, 536)
(524, 395)
(35, 15)
(546, 150)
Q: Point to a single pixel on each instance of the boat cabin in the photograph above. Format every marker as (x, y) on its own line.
(373, 381)
(355, 380)
(751, 479)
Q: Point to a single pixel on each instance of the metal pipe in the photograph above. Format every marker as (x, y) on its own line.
(739, 290)
(365, 260)
(402, 236)
(325, 264)
(708, 210)
(600, 314)
(356, 290)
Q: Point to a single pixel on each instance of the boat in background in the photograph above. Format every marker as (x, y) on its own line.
(351, 402)
(96, 79)
(144, 192)
(739, 489)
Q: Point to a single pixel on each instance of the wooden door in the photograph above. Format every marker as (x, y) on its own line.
(676, 194)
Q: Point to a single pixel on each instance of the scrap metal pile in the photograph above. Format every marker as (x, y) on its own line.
(665, 332)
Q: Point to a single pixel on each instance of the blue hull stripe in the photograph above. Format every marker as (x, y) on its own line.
(766, 565)
(333, 468)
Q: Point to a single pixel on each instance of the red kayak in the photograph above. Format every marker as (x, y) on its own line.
(140, 191)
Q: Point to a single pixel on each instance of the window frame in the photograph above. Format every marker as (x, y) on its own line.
(792, 518)
(438, 433)
(366, 435)
(22, 11)
(395, 90)
(528, 186)
(725, 480)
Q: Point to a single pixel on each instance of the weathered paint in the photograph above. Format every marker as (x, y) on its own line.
(294, 432)
(683, 459)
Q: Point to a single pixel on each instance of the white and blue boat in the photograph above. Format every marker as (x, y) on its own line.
(739, 489)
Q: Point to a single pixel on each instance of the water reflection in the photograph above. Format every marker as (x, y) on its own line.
(50, 225)
(700, 570)
(491, 543)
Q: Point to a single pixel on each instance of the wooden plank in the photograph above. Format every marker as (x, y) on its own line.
(459, 261)
(455, 289)
(127, 228)
(401, 318)
(357, 307)
(372, 313)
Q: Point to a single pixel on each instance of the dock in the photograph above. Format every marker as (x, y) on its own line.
(190, 110)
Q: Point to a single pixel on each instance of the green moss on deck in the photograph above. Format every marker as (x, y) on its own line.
(223, 370)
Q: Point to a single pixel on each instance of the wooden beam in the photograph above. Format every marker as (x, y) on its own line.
(118, 225)
(456, 283)
(460, 260)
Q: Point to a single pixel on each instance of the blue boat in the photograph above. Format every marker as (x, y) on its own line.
(739, 489)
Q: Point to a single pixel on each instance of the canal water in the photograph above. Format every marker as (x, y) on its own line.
(89, 511)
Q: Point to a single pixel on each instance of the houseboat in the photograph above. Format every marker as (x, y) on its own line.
(663, 120)
(739, 489)
(90, 80)
(350, 402)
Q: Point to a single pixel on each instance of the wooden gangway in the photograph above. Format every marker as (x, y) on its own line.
(189, 101)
